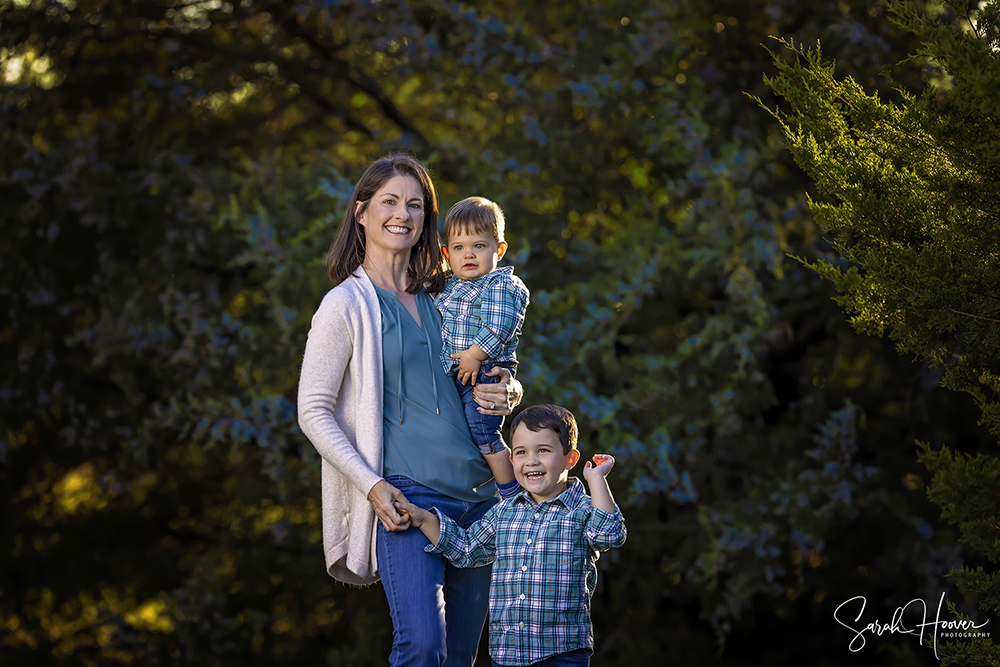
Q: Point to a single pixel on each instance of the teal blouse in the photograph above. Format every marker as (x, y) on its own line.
(424, 432)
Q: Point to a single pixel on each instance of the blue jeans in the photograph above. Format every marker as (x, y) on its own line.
(438, 610)
(485, 429)
(578, 658)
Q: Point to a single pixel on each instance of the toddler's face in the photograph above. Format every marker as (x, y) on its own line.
(472, 254)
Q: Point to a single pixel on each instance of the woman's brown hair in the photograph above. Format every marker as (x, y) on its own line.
(426, 270)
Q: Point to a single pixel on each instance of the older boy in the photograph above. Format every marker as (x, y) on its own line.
(543, 544)
(482, 309)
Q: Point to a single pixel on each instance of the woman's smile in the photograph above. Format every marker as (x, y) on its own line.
(394, 218)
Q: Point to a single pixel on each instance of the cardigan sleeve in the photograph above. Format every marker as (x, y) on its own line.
(329, 352)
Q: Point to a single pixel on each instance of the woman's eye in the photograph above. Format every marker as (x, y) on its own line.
(389, 202)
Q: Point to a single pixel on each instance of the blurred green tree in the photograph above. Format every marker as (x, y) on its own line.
(909, 198)
(171, 174)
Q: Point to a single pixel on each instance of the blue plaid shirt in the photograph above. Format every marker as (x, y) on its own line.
(487, 311)
(544, 569)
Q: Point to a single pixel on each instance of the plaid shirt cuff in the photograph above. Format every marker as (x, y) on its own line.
(606, 529)
(447, 531)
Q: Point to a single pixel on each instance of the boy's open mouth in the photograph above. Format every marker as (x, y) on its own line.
(535, 474)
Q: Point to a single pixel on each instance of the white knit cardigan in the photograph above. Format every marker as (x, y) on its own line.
(340, 411)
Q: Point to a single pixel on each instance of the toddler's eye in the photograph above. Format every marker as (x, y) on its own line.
(480, 246)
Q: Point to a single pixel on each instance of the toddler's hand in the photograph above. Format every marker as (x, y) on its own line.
(468, 367)
(600, 468)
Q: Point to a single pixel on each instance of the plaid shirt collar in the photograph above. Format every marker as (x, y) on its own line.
(569, 498)
(475, 282)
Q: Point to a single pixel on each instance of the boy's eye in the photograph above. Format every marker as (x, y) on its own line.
(480, 246)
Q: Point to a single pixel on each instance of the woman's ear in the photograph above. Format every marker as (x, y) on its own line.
(574, 458)
(444, 249)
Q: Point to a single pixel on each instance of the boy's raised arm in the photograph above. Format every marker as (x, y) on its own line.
(596, 475)
(605, 529)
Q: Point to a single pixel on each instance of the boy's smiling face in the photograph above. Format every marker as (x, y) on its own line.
(540, 466)
(472, 254)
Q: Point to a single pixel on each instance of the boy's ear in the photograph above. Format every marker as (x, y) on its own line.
(501, 249)
(574, 458)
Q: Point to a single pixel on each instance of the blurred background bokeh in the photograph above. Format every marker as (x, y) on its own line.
(171, 175)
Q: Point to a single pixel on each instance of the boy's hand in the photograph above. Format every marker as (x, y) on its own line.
(602, 465)
(416, 515)
(468, 366)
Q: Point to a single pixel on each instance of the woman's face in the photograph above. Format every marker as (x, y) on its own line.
(394, 218)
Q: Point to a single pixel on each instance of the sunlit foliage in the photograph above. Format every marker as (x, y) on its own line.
(170, 178)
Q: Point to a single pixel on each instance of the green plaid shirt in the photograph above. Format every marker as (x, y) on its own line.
(544, 569)
(487, 311)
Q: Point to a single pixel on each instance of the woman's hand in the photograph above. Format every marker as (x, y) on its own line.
(383, 497)
(498, 399)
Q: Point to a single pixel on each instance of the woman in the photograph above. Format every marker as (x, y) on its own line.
(387, 422)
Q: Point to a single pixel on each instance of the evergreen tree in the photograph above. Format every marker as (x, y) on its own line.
(910, 198)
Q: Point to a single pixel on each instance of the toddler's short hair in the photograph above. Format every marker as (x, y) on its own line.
(553, 417)
(475, 214)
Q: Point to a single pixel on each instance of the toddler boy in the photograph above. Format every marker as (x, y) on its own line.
(482, 309)
(543, 544)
